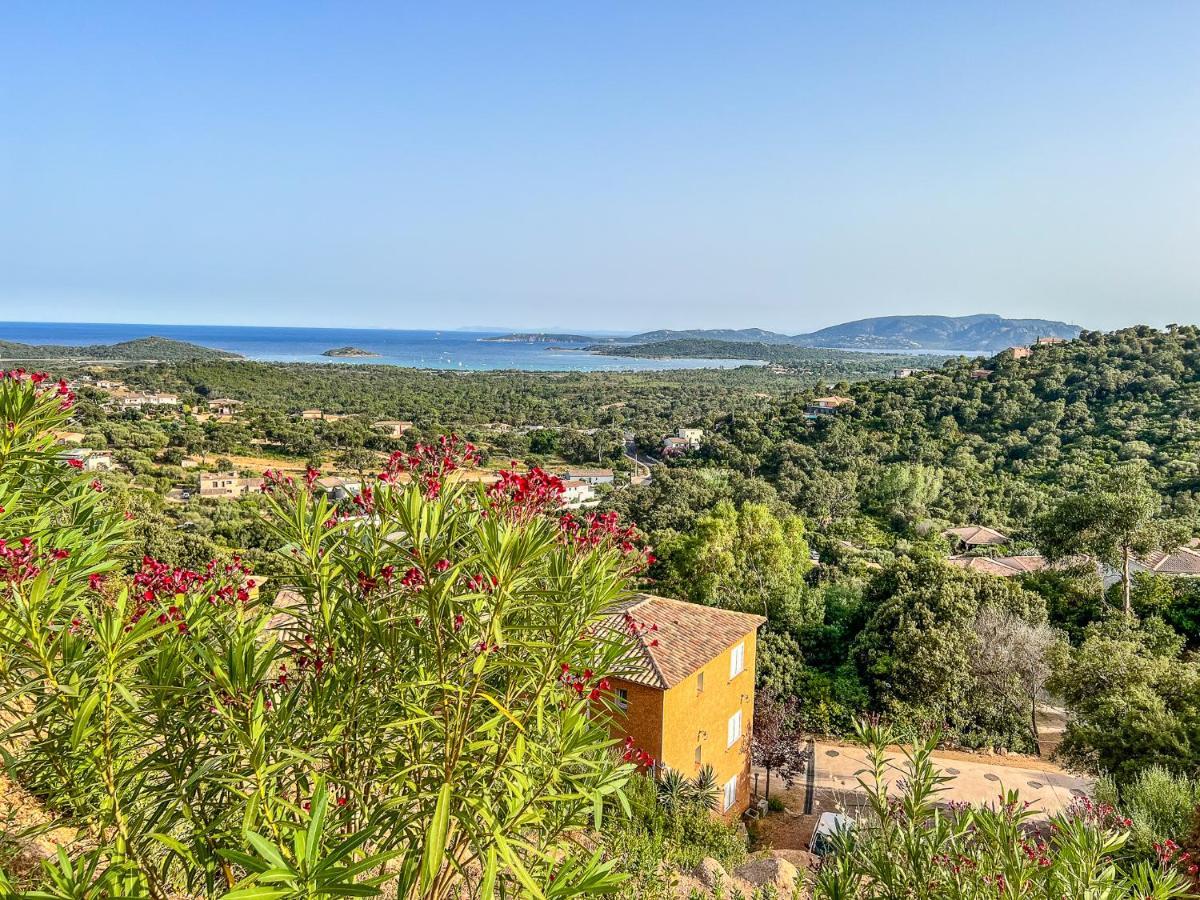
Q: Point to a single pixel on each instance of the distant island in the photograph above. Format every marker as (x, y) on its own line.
(147, 349)
(349, 351)
(981, 333)
(541, 338)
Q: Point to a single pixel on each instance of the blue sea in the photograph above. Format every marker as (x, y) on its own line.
(459, 350)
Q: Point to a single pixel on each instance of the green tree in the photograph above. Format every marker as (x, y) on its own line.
(741, 558)
(1114, 519)
(1134, 699)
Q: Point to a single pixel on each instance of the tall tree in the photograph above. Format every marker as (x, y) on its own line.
(1115, 519)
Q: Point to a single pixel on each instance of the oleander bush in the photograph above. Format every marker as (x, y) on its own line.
(421, 709)
(910, 843)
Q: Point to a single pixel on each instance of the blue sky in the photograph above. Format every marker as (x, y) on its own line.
(599, 165)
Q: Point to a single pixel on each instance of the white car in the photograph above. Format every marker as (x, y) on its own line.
(828, 826)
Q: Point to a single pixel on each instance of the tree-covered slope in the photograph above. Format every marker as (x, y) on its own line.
(147, 348)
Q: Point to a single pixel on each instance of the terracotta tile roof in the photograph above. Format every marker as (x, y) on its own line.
(674, 639)
(1184, 561)
(976, 535)
(1004, 566)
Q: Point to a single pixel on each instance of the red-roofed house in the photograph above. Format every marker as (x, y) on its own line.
(970, 536)
(1183, 562)
(688, 694)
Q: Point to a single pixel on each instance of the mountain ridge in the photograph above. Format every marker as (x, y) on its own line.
(982, 332)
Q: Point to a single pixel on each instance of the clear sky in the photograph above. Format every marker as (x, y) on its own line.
(599, 165)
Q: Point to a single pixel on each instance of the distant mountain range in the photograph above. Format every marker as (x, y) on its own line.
(980, 333)
(158, 349)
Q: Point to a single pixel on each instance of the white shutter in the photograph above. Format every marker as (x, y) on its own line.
(737, 661)
(734, 730)
(730, 793)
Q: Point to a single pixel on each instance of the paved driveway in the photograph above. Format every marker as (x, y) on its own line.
(976, 780)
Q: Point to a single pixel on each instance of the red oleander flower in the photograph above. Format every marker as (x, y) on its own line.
(75, 463)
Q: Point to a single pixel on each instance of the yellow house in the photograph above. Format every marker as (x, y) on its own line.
(688, 698)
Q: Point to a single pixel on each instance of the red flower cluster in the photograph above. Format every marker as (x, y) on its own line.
(631, 753)
(583, 683)
(158, 582)
(524, 496)
(1103, 815)
(637, 629)
(602, 530)
(274, 480)
(482, 584)
(365, 500)
(308, 656)
(18, 560)
(60, 389)
(429, 464)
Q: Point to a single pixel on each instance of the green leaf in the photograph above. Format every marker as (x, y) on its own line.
(83, 718)
(435, 840)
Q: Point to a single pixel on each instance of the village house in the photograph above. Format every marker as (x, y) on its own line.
(687, 697)
(223, 485)
(968, 537)
(577, 493)
(338, 488)
(393, 428)
(1183, 562)
(1050, 341)
(674, 446)
(140, 399)
(590, 476)
(224, 406)
(825, 406)
(321, 415)
(693, 436)
(1019, 352)
(903, 373)
(980, 374)
(89, 460)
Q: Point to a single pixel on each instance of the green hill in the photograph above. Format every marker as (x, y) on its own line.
(157, 349)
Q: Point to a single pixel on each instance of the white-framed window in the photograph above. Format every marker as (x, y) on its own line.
(730, 794)
(734, 729)
(737, 661)
(622, 699)
(699, 755)
(700, 683)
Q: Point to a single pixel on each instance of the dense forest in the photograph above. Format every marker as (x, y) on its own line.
(829, 364)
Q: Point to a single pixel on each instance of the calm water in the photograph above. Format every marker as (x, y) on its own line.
(415, 349)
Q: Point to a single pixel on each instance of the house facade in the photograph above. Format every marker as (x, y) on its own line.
(825, 406)
(590, 476)
(688, 696)
(88, 460)
(222, 485)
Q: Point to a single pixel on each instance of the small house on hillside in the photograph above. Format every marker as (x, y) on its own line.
(903, 373)
(577, 493)
(223, 485)
(1019, 352)
(693, 436)
(88, 460)
(968, 537)
(687, 697)
(338, 488)
(590, 476)
(1050, 341)
(825, 406)
(980, 374)
(674, 446)
(224, 406)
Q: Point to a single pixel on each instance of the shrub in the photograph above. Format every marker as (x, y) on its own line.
(909, 846)
(427, 699)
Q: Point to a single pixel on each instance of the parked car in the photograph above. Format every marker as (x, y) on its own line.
(829, 826)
